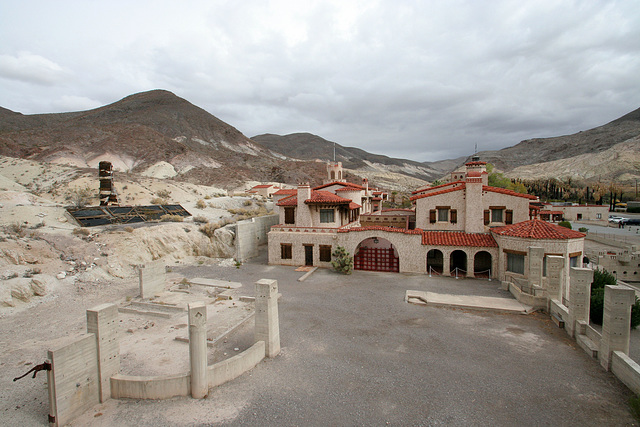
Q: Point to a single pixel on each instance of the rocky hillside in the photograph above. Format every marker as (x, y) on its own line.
(142, 130)
(307, 146)
(608, 152)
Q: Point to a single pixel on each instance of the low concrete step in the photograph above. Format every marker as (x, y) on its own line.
(557, 320)
(587, 345)
(130, 310)
(202, 281)
(168, 308)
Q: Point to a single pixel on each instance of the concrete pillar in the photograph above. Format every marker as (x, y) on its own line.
(446, 264)
(579, 297)
(198, 349)
(102, 321)
(152, 278)
(616, 322)
(536, 259)
(267, 323)
(555, 277)
(471, 271)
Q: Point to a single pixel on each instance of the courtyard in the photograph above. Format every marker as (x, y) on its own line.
(354, 353)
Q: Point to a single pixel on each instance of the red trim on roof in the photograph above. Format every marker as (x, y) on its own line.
(475, 163)
(458, 238)
(286, 191)
(435, 193)
(380, 228)
(291, 200)
(551, 213)
(508, 192)
(345, 184)
(326, 197)
(437, 186)
(538, 229)
(399, 209)
(349, 189)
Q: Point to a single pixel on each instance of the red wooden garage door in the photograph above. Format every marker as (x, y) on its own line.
(376, 259)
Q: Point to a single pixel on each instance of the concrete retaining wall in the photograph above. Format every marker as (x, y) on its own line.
(152, 387)
(221, 372)
(606, 241)
(251, 233)
(73, 379)
(524, 298)
(152, 277)
(626, 370)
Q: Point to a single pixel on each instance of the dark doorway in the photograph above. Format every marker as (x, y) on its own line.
(308, 254)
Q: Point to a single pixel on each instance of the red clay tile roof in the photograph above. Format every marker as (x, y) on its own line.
(508, 192)
(288, 201)
(537, 229)
(551, 213)
(475, 163)
(346, 184)
(458, 238)
(354, 206)
(321, 196)
(286, 191)
(420, 190)
(399, 209)
(435, 193)
(349, 189)
(474, 174)
(262, 186)
(376, 199)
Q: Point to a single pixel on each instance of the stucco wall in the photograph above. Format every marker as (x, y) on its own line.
(252, 233)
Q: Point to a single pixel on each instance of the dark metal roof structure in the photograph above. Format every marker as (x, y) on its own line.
(92, 216)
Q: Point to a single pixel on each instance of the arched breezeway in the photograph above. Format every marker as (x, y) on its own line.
(435, 261)
(376, 254)
(458, 263)
(482, 265)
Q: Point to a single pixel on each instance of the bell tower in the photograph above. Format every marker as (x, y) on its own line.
(334, 173)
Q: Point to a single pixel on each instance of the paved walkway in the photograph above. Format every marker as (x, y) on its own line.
(502, 305)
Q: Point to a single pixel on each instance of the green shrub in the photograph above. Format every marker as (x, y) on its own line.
(343, 261)
(583, 229)
(565, 224)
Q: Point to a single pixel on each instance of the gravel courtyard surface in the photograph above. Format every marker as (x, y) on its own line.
(354, 353)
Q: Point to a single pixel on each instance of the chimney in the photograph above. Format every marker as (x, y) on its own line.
(303, 215)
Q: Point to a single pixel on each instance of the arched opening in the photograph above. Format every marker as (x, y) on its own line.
(435, 261)
(376, 254)
(458, 263)
(333, 175)
(482, 265)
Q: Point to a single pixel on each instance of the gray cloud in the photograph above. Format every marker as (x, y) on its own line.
(414, 79)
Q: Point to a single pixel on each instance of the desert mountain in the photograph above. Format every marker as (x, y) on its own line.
(307, 146)
(607, 152)
(144, 130)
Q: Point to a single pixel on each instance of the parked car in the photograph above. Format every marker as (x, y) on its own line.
(630, 221)
(615, 219)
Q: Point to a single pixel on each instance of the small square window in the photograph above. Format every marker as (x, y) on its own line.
(443, 215)
(285, 251)
(326, 215)
(496, 215)
(325, 253)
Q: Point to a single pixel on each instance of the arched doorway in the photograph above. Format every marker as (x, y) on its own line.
(482, 265)
(376, 254)
(458, 263)
(435, 261)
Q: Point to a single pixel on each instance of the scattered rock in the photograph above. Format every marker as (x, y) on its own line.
(21, 288)
(6, 300)
(61, 275)
(41, 283)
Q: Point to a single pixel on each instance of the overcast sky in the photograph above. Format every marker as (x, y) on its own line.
(424, 80)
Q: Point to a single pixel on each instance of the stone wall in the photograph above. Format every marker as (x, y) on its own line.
(252, 233)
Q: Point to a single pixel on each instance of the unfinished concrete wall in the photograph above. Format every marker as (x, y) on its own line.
(626, 370)
(252, 233)
(579, 298)
(150, 387)
(102, 321)
(226, 370)
(267, 322)
(555, 278)
(616, 322)
(536, 264)
(153, 277)
(73, 379)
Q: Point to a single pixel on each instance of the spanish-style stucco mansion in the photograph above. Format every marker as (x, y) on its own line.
(462, 228)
